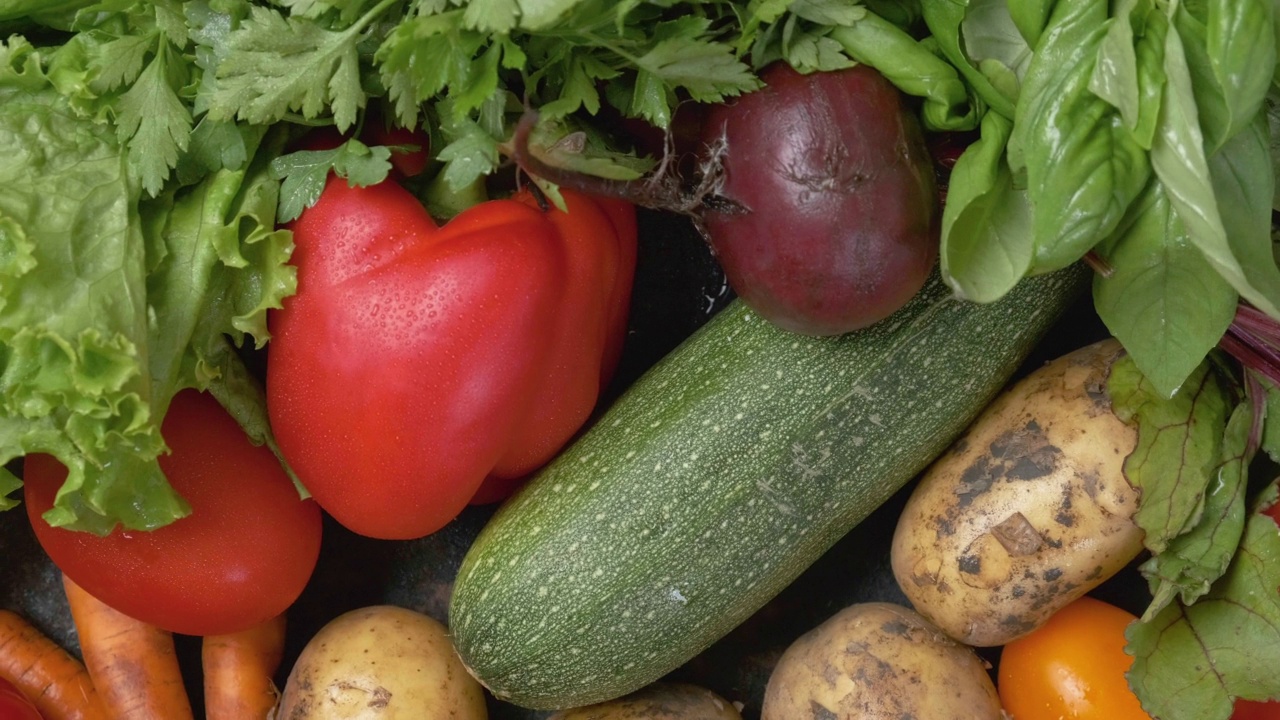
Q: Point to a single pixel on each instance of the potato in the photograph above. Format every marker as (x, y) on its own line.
(878, 660)
(379, 663)
(1028, 510)
(659, 701)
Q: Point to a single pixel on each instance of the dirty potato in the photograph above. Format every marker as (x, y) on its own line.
(380, 663)
(879, 661)
(1028, 511)
(659, 701)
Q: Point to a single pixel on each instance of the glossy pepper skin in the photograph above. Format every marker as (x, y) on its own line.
(416, 361)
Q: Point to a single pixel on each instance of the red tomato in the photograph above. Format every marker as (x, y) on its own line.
(241, 557)
(14, 705)
(1071, 668)
(1249, 710)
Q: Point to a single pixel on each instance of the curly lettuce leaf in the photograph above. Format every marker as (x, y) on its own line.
(73, 318)
(111, 304)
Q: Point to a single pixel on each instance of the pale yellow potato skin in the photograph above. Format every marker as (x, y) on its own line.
(381, 663)
(1028, 511)
(879, 661)
(659, 701)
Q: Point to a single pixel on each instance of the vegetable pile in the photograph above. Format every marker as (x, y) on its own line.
(267, 262)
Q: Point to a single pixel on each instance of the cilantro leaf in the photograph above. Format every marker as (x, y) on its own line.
(305, 173)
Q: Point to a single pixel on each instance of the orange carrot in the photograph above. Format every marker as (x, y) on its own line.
(133, 664)
(238, 671)
(52, 678)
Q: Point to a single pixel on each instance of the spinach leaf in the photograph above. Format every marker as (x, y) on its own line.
(1083, 166)
(986, 222)
(1163, 301)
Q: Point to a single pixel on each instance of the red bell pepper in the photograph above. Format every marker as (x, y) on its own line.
(417, 361)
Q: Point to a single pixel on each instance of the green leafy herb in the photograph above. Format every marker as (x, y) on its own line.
(1083, 168)
(304, 173)
(275, 65)
(1162, 299)
(986, 223)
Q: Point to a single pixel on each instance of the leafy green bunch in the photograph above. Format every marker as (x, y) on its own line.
(1132, 133)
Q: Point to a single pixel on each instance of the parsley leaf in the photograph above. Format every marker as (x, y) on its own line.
(155, 122)
(305, 173)
(277, 65)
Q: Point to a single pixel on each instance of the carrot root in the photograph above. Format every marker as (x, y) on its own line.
(238, 671)
(133, 664)
(52, 678)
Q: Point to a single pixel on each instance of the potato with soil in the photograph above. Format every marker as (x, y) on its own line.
(879, 661)
(1028, 511)
(381, 663)
(659, 701)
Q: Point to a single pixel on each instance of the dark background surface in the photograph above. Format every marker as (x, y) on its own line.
(678, 286)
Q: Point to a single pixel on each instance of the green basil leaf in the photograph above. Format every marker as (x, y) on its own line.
(1190, 662)
(1180, 440)
(1162, 301)
(1273, 128)
(990, 38)
(945, 19)
(1130, 68)
(986, 222)
(912, 68)
(1197, 558)
(1083, 166)
(1244, 185)
(1194, 185)
(1031, 17)
(1225, 42)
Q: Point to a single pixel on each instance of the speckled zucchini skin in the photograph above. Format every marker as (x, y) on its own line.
(716, 479)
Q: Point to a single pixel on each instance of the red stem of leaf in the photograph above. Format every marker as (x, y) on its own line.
(1253, 339)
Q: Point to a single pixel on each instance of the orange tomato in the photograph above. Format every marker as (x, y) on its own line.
(1071, 668)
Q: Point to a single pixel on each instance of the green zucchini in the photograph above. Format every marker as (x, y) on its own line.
(716, 479)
